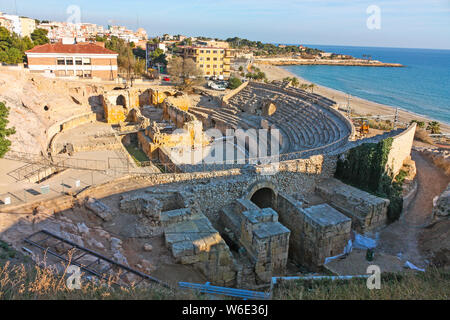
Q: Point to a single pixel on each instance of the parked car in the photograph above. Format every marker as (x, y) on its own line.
(166, 79)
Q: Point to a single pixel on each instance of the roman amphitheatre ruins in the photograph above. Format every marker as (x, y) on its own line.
(232, 223)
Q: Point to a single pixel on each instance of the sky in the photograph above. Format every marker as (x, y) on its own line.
(402, 23)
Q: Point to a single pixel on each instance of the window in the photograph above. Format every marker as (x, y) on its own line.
(208, 59)
(87, 61)
(69, 61)
(208, 66)
(215, 66)
(201, 58)
(215, 51)
(61, 61)
(87, 74)
(80, 73)
(208, 73)
(208, 51)
(201, 66)
(215, 59)
(69, 73)
(78, 61)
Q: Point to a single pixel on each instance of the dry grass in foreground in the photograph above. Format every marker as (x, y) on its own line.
(433, 284)
(20, 282)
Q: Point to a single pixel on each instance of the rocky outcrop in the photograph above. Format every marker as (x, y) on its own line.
(441, 208)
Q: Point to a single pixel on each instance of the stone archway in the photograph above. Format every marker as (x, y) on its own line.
(121, 101)
(264, 194)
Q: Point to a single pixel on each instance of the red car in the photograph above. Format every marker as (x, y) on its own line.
(166, 79)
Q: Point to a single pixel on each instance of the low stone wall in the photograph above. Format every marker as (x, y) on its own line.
(317, 232)
(202, 247)
(66, 124)
(176, 115)
(366, 210)
(234, 92)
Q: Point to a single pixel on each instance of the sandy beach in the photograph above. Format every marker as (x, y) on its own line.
(359, 106)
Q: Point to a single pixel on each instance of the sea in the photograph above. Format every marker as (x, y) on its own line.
(422, 86)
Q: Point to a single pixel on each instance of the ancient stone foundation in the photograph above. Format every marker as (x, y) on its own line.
(366, 210)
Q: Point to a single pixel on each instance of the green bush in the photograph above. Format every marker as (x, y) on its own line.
(234, 83)
(4, 132)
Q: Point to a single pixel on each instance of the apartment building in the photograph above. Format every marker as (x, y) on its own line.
(27, 26)
(22, 26)
(83, 60)
(213, 61)
(6, 23)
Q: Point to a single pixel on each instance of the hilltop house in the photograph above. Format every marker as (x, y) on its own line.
(83, 60)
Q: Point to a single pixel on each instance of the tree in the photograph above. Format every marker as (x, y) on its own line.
(295, 82)
(234, 83)
(420, 124)
(13, 47)
(184, 72)
(39, 37)
(434, 127)
(158, 56)
(312, 86)
(4, 132)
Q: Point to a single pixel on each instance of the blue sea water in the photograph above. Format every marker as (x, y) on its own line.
(422, 86)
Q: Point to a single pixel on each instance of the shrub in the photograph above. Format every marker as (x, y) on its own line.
(234, 83)
(4, 132)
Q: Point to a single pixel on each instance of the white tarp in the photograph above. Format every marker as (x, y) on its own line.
(411, 266)
(362, 242)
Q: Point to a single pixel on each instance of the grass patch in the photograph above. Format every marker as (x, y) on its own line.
(433, 284)
(137, 154)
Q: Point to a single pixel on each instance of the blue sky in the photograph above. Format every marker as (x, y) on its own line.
(404, 23)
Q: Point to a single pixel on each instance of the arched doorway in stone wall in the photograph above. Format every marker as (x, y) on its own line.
(121, 101)
(264, 194)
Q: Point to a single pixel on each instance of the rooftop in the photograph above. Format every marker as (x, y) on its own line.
(86, 48)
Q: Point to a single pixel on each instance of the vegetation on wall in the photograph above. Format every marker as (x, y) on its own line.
(4, 132)
(365, 168)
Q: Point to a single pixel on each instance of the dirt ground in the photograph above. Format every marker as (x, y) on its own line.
(406, 235)
(413, 237)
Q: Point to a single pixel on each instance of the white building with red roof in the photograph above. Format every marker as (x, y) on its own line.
(83, 60)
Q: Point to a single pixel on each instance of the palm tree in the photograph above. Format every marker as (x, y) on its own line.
(295, 82)
(312, 86)
(434, 127)
(304, 86)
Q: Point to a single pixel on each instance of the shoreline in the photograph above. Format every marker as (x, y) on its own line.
(325, 62)
(359, 106)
